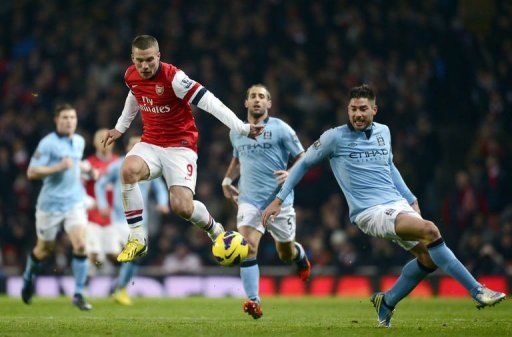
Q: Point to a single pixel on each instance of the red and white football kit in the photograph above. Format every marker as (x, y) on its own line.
(169, 138)
(101, 236)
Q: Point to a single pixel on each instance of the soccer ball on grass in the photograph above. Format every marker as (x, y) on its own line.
(230, 248)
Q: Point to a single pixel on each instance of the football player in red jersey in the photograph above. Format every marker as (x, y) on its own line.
(163, 94)
(101, 236)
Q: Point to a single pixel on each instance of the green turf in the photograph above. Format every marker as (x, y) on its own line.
(223, 317)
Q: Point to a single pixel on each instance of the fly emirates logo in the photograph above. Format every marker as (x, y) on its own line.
(148, 106)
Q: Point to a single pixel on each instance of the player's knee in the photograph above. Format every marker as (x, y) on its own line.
(43, 250)
(253, 246)
(79, 249)
(130, 174)
(253, 250)
(430, 232)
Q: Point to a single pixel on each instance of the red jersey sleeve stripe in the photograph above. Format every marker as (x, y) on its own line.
(191, 91)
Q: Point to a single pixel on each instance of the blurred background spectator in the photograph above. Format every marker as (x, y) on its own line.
(442, 70)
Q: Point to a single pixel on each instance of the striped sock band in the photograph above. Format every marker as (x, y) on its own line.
(133, 217)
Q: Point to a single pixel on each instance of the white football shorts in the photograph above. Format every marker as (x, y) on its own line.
(102, 239)
(48, 224)
(178, 165)
(379, 221)
(282, 228)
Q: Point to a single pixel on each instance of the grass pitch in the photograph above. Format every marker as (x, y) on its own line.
(200, 316)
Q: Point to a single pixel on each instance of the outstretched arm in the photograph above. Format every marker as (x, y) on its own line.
(194, 93)
(401, 186)
(399, 182)
(320, 149)
(214, 106)
(131, 107)
(130, 110)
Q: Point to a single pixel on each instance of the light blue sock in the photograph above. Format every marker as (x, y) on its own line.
(250, 274)
(444, 258)
(412, 274)
(80, 265)
(126, 272)
(31, 268)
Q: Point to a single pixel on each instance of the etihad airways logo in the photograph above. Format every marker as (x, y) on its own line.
(368, 154)
(252, 147)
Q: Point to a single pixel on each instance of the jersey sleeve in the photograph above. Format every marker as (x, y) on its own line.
(42, 155)
(129, 112)
(320, 149)
(186, 88)
(399, 182)
(82, 145)
(232, 139)
(291, 142)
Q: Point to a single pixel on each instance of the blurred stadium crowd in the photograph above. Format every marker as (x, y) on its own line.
(442, 71)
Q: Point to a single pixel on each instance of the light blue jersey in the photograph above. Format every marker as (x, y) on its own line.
(362, 162)
(61, 191)
(260, 158)
(113, 176)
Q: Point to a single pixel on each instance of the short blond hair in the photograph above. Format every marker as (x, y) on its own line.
(144, 42)
(258, 85)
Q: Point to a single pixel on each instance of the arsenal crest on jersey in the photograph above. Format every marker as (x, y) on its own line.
(159, 89)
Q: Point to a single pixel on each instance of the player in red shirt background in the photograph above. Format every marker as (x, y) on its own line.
(163, 94)
(102, 239)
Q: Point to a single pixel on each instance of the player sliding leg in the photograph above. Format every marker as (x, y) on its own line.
(430, 252)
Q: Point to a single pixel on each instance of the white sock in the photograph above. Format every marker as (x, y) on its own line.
(139, 233)
(202, 218)
(133, 210)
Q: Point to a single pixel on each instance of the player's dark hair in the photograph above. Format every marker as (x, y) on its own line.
(362, 91)
(260, 86)
(61, 107)
(144, 42)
